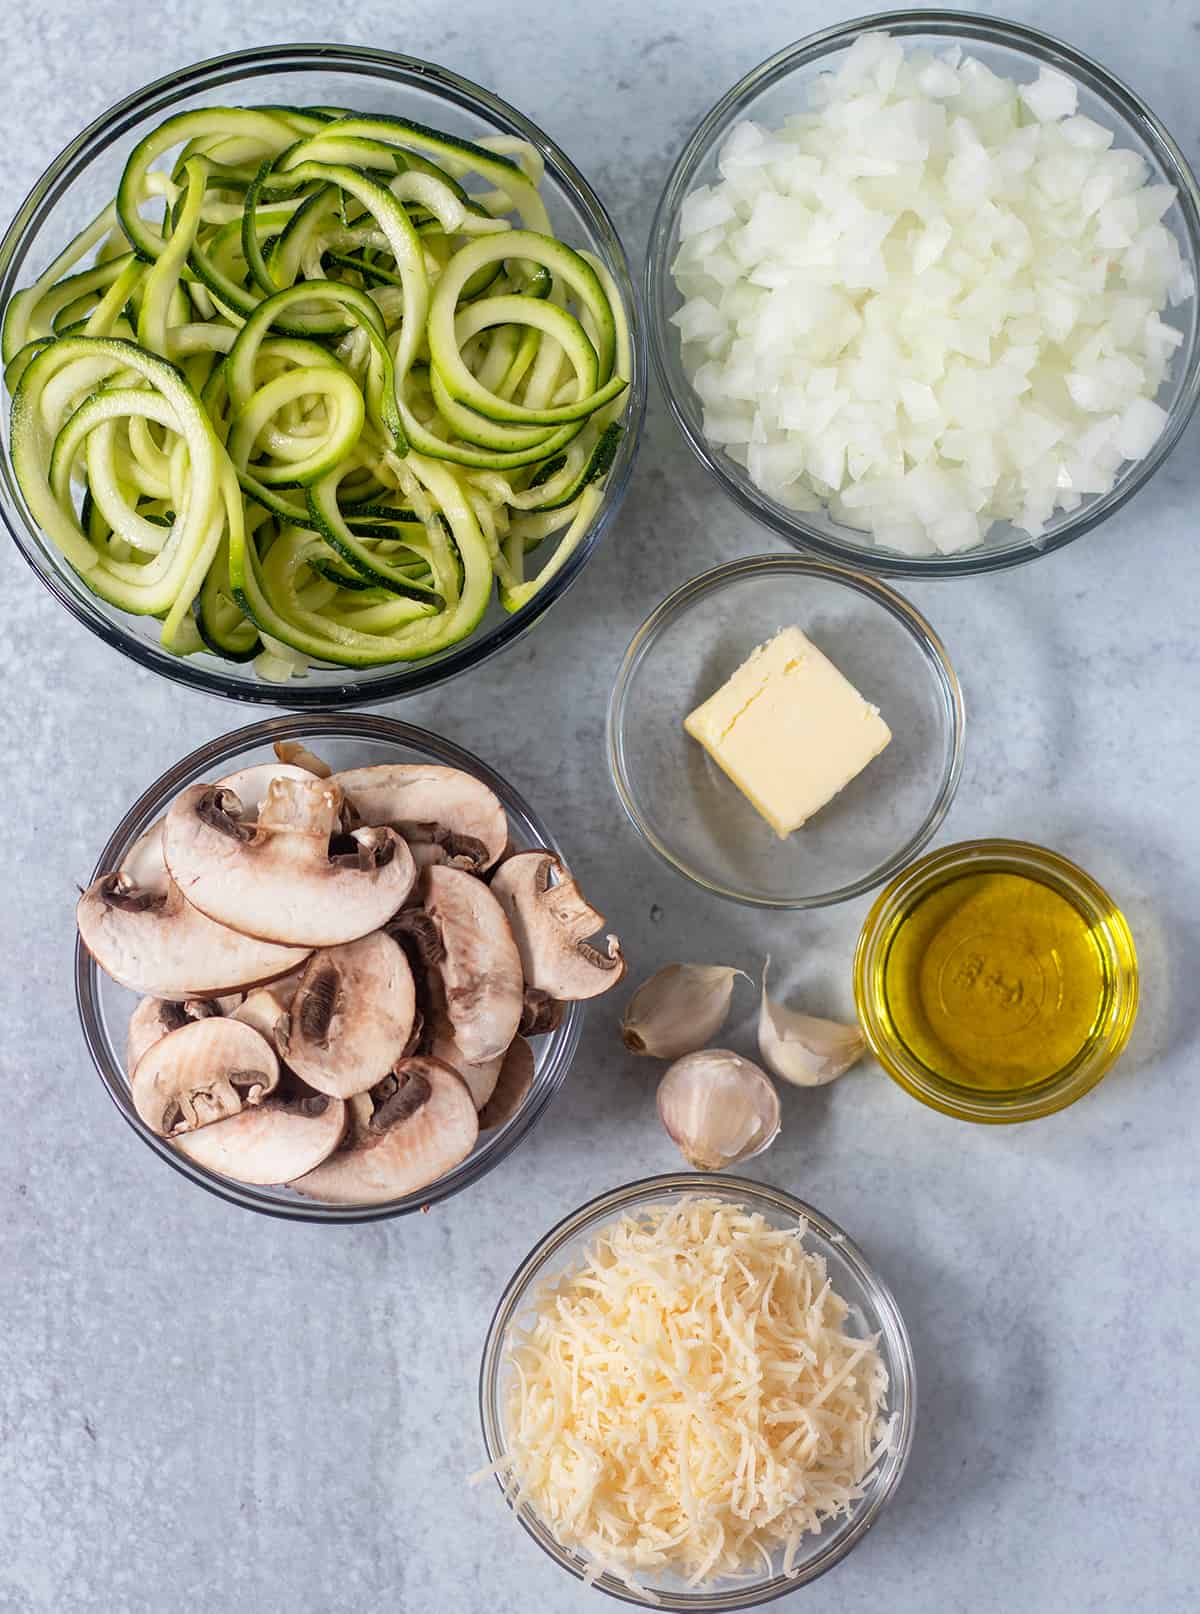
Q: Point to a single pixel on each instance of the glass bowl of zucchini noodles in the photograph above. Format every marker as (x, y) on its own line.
(322, 375)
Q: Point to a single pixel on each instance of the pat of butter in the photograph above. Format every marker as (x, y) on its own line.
(789, 730)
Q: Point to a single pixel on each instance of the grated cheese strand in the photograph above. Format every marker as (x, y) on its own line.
(688, 1401)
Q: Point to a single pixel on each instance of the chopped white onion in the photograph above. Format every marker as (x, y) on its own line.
(931, 301)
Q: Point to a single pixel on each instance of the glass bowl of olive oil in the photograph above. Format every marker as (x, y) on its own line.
(996, 981)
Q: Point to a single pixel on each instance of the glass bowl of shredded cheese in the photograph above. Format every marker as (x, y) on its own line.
(696, 1394)
(921, 293)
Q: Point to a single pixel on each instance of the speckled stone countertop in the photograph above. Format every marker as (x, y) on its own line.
(206, 1410)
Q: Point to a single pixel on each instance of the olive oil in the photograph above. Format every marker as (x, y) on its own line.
(996, 981)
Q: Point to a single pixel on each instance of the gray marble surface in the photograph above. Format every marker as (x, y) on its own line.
(200, 1409)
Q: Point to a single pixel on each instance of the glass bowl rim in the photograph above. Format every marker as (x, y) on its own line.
(933, 652)
(1033, 43)
(886, 1315)
(563, 1042)
(984, 853)
(243, 66)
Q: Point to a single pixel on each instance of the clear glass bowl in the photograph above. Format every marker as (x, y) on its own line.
(346, 740)
(697, 819)
(85, 175)
(1109, 934)
(776, 89)
(872, 1311)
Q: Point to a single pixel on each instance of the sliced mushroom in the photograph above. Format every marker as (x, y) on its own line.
(201, 1073)
(143, 864)
(515, 1080)
(250, 785)
(284, 878)
(296, 753)
(422, 1123)
(419, 936)
(551, 920)
(445, 815)
(352, 1016)
(359, 1111)
(140, 930)
(155, 1018)
(277, 1141)
(482, 988)
(267, 1011)
(480, 1077)
(540, 1013)
(285, 988)
(229, 1001)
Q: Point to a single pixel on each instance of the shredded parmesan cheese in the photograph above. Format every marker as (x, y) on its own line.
(688, 1401)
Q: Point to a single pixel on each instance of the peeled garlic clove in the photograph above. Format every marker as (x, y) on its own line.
(718, 1108)
(679, 1009)
(802, 1049)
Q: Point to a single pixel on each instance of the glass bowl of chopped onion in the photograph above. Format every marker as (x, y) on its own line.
(696, 1393)
(922, 293)
(382, 535)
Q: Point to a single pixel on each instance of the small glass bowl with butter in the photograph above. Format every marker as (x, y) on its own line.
(996, 981)
(769, 743)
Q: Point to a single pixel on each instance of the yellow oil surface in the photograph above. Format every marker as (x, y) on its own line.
(995, 981)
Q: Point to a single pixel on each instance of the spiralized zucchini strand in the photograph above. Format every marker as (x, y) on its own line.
(314, 386)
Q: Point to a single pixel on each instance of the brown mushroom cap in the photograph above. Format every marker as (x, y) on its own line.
(156, 1018)
(515, 1080)
(444, 814)
(480, 975)
(140, 930)
(201, 1073)
(352, 1016)
(422, 1123)
(275, 1142)
(551, 920)
(281, 878)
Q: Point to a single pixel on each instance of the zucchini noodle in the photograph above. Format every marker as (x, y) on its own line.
(313, 387)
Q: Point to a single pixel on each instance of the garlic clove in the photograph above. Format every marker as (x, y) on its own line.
(679, 1009)
(801, 1048)
(718, 1108)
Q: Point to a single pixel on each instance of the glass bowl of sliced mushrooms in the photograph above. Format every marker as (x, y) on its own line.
(332, 968)
(353, 457)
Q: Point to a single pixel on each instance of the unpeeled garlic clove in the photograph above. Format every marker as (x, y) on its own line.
(801, 1048)
(718, 1108)
(679, 1009)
